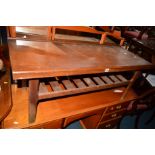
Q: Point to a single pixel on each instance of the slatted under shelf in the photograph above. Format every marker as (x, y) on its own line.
(62, 86)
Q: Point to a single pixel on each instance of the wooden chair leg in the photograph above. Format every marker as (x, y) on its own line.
(33, 99)
(49, 32)
(12, 31)
(122, 42)
(103, 38)
(53, 33)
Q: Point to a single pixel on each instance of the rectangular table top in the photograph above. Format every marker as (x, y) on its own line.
(34, 59)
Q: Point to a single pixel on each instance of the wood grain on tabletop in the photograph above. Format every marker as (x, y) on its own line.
(32, 59)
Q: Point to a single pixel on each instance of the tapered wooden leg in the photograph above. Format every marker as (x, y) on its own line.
(49, 32)
(135, 76)
(33, 99)
(12, 31)
(122, 42)
(53, 33)
(103, 38)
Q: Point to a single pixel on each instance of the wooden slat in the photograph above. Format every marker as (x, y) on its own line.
(79, 83)
(68, 84)
(55, 86)
(114, 78)
(80, 90)
(89, 82)
(42, 88)
(122, 78)
(98, 81)
(52, 109)
(106, 79)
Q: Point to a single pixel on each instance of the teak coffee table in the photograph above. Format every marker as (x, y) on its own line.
(71, 68)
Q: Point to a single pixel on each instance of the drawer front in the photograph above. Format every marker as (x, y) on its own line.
(113, 115)
(57, 124)
(70, 119)
(109, 124)
(117, 107)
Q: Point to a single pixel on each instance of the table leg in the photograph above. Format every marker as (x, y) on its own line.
(33, 99)
(53, 33)
(122, 42)
(133, 79)
(12, 31)
(49, 32)
(103, 38)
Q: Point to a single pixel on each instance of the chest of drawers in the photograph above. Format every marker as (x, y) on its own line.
(109, 119)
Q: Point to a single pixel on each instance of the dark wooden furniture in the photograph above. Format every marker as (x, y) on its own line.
(139, 32)
(5, 95)
(86, 29)
(12, 31)
(107, 119)
(112, 32)
(35, 61)
(144, 48)
(99, 107)
(31, 33)
(5, 84)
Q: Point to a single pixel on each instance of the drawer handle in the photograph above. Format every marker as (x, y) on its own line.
(119, 107)
(108, 125)
(113, 115)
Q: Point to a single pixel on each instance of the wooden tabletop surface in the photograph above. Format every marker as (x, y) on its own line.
(33, 59)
